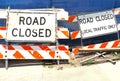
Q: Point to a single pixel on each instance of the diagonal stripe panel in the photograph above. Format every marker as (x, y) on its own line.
(18, 55)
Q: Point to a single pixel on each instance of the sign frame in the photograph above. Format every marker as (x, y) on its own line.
(39, 13)
(91, 20)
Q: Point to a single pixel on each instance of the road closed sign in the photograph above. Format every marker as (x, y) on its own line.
(97, 24)
(31, 26)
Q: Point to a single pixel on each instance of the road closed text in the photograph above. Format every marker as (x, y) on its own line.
(97, 18)
(32, 21)
(31, 26)
(18, 32)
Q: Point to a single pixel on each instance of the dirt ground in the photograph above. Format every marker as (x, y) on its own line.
(89, 59)
(96, 70)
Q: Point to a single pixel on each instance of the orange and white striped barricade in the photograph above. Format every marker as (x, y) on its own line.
(116, 11)
(2, 52)
(75, 35)
(34, 52)
(73, 18)
(105, 46)
(62, 33)
(2, 32)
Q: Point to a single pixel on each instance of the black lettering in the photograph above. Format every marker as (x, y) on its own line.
(104, 17)
(87, 31)
(42, 20)
(13, 32)
(28, 20)
(111, 26)
(100, 28)
(97, 18)
(41, 33)
(20, 33)
(35, 21)
(83, 21)
(34, 32)
(22, 20)
(27, 32)
(111, 16)
(80, 21)
(87, 20)
(47, 33)
(32, 21)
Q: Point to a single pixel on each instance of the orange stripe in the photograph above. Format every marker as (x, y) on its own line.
(57, 10)
(62, 48)
(65, 33)
(35, 54)
(119, 12)
(44, 47)
(25, 47)
(71, 18)
(104, 45)
(76, 50)
(74, 34)
(62, 18)
(2, 28)
(1, 36)
(9, 47)
(52, 54)
(18, 55)
(116, 43)
(67, 52)
(91, 46)
(1, 56)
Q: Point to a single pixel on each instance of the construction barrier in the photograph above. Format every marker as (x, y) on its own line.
(33, 52)
(105, 46)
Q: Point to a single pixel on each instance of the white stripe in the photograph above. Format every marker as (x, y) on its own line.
(10, 54)
(97, 46)
(26, 54)
(45, 54)
(110, 44)
(3, 13)
(2, 48)
(118, 26)
(3, 33)
(17, 47)
(63, 55)
(61, 35)
(116, 11)
(35, 47)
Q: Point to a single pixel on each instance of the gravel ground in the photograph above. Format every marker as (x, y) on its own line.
(96, 72)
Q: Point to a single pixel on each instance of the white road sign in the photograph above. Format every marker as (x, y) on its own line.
(97, 24)
(31, 26)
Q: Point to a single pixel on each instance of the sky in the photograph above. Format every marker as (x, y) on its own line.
(73, 7)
